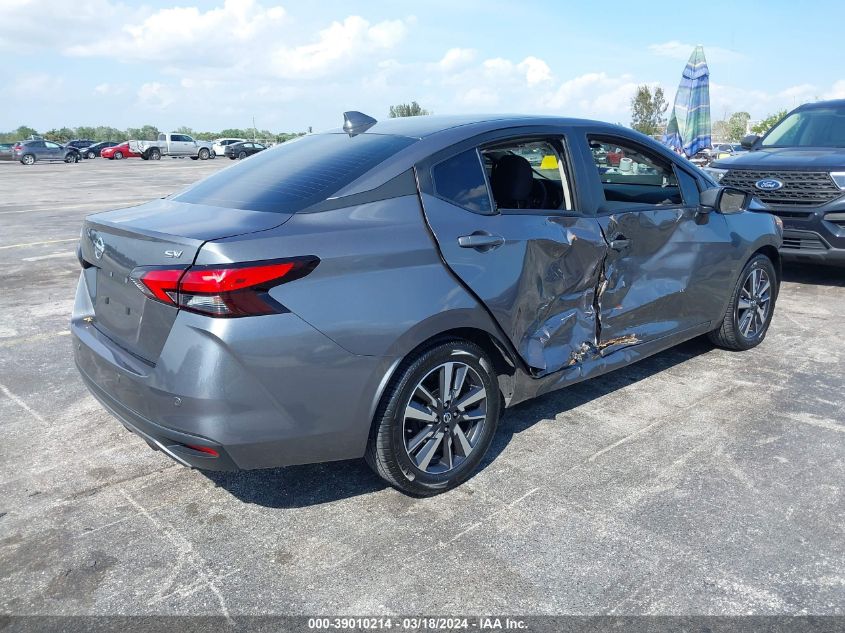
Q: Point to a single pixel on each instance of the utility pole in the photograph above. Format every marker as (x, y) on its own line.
(253, 129)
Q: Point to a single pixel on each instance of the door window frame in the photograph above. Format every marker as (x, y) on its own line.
(561, 134)
(688, 187)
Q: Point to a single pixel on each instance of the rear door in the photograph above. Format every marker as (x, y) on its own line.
(524, 247)
(665, 270)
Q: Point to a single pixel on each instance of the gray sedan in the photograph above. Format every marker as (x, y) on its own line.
(387, 289)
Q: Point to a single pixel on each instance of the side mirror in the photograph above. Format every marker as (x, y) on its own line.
(749, 141)
(724, 200)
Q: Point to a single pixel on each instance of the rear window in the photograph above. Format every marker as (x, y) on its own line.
(295, 174)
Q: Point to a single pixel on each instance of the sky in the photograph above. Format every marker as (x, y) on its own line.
(216, 64)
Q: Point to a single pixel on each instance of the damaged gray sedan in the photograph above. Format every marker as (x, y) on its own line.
(386, 289)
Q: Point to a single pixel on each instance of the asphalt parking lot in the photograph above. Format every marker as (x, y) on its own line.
(698, 481)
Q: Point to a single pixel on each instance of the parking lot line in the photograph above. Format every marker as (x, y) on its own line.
(23, 405)
(70, 239)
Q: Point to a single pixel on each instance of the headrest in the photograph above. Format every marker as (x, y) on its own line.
(512, 178)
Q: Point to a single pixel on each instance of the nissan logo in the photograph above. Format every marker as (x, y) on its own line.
(99, 245)
(768, 184)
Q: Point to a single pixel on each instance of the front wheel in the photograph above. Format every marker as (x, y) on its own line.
(72, 157)
(752, 305)
(118, 155)
(203, 155)
(91, 155)
(436, 420)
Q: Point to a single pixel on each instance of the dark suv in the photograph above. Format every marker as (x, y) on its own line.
(798, 170)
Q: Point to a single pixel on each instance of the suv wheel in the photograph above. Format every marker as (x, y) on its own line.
(750, 310)
(436, 420)
(155, 154)
(203, 154)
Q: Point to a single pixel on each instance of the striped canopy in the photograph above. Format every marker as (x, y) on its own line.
(688, 129)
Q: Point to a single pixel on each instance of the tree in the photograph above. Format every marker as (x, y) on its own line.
(61, 135)
(721, 130)
(407, 109)
(761, 127)
(24, 132)
(647, 110)
(737, 125)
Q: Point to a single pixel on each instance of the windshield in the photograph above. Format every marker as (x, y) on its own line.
(295, 174)
(815, 127)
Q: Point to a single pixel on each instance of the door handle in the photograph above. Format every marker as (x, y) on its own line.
(620, 243)
(481, 241)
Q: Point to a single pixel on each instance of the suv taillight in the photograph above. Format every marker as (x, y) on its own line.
(234, 290)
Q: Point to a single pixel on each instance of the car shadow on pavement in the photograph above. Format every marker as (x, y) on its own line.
(525, 415)
(315, 484)
(299, 486)
(811, 274)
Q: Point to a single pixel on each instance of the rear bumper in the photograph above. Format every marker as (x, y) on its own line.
(261, 391)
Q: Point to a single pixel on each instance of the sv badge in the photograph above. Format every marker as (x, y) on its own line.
(176, 254)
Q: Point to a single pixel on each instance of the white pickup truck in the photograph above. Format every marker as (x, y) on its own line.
(173, 144)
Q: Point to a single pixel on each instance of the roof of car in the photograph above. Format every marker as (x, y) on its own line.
(833, 103)
(423, 126)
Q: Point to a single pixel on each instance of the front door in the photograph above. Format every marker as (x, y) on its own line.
(507, 225)
(662, 273)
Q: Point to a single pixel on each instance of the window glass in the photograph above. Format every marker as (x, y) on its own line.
(815, 127)
(51, 145)
(295, 174)
(460, 180)
(630, 174)
(527, 174)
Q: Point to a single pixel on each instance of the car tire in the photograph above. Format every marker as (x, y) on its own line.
(91, 155)
(72, 157)
(154, 154)
(212, 155)
(28, 159)
(414, 444)
(751, 307)
(203, 154)
(241, 155)
(118, 155)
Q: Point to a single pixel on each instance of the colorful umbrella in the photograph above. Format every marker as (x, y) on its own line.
(688, 129)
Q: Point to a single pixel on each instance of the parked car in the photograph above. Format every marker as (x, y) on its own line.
(242, 150)
(219, 146)
(93, 151)
(119, 152)
(724, 150)
(28, 152)
(798, 170)
(385, 289)
(173, 144)
(6, 151)
(79, 144)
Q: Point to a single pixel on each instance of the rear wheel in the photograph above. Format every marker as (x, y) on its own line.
(242, 155)
(750, 310)
(436, 420)
(28, 159)
(155, 154)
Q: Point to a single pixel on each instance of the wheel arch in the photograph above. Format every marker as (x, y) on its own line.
(773, 254)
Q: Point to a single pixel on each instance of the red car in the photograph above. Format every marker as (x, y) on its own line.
(118, 152)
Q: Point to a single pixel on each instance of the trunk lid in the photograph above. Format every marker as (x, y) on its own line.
(159, 233)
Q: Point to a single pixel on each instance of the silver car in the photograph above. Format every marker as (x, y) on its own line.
(387, 289)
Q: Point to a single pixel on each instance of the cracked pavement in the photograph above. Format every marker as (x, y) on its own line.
(698, 481)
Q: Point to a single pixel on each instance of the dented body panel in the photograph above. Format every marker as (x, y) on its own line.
(539, 285)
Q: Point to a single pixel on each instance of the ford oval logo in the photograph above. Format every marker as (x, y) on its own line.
(768, 184)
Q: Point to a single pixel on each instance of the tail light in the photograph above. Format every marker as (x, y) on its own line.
(222, 291)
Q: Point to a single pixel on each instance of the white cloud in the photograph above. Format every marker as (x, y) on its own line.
(337, 46)
(186, 36)
(682, 51)
(456, 58)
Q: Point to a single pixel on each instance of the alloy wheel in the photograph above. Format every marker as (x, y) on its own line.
(445, 417)
(755, 299)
